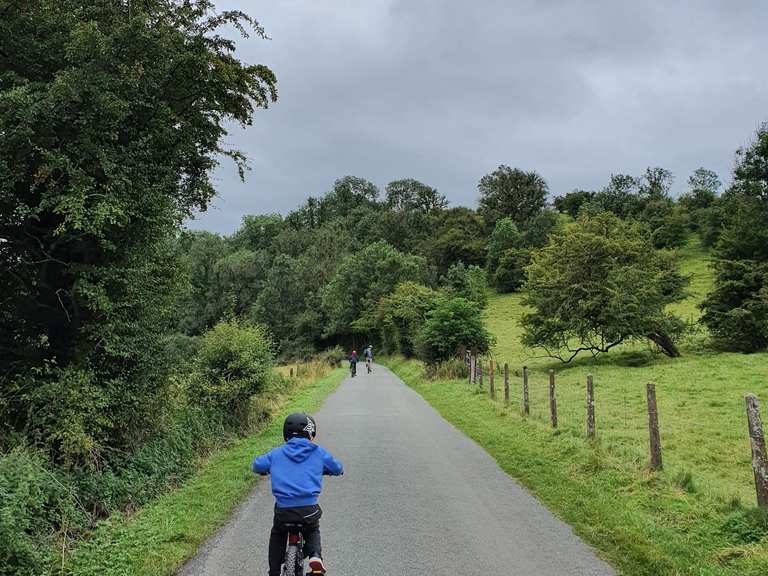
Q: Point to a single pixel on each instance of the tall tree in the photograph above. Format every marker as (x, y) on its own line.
(457, 236)
(111, 115)
(200, 253)
(656, 183)
(258, 232)
(571, 202)
(348, 193)
(703, 188)
(598, 284)
(361, 279)
(411, 195)
(736, 312)
(512, 193)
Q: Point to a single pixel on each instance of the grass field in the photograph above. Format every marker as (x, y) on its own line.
(700, 395)
(695, 517)
(157, 539)
(644, 524)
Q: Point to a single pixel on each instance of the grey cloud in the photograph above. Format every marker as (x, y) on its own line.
(445, 91)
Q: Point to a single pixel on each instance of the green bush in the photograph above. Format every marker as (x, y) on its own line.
(505, 235)
(169, 457)
(455, 325)
(671, 231)
(333, 356)
(70, 415)
(736, 311)
(33, 504)
(467, 282)
(181, 351)
(401, 314)
(510, 273)
(234, 362)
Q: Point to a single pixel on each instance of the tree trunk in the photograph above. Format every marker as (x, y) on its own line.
(664, 342)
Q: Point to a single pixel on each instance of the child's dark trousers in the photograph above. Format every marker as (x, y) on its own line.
(309, 516)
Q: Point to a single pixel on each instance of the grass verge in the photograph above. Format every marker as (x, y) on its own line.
(160, 537)
(645, 524)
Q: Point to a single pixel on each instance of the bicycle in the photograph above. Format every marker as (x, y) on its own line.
(353, 369)
(369, 364)
(294, 553)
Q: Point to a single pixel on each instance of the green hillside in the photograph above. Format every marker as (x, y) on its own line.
(701, 394)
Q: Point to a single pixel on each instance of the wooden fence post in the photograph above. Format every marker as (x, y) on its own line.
(759, 455)
(590, 407)
(491, 389)
(552, 400)
(506, 383)
(480, 371)
(653, 428)
(526, 405)
(473, 369)
(291, 374)
(471, 366)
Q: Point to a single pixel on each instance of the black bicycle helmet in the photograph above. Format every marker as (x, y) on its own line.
(299, 425)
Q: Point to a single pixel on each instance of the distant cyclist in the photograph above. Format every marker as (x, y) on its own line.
(353, 363)
(368, 354)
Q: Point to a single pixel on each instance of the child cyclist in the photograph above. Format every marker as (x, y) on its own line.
(353, 363)
(297, 469)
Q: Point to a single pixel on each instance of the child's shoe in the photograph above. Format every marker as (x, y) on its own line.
(316, 565)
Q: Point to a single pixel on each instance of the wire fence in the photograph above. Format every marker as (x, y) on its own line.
(626, 418)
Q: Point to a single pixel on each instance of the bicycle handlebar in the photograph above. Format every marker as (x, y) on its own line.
(324, 474)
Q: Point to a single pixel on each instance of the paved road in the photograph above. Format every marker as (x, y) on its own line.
(417, 497)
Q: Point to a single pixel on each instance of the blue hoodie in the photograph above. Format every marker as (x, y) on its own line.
(297, 469)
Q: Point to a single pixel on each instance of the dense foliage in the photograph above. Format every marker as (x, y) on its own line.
(511, 193)
(736, 311)
(233, 363)
(452, 327)
(111, 119)
(111, 116)
(597, 284)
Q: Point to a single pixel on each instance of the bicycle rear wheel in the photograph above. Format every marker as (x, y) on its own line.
(289, 565)
(293, 565)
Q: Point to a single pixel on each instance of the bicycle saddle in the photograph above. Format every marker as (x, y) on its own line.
(296, 525)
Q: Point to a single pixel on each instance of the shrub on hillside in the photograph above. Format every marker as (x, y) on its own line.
(466, 282)
(537, 230)
(505, 236)
(736, 312)
(234, 362)
(672, 230)
(509, 275)
(453, 326)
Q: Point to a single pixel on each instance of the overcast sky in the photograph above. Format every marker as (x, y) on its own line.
(445, 91)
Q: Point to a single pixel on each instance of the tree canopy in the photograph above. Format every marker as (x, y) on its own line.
(736, 312)
(111, 116)
(597, 284)
(513, 193)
